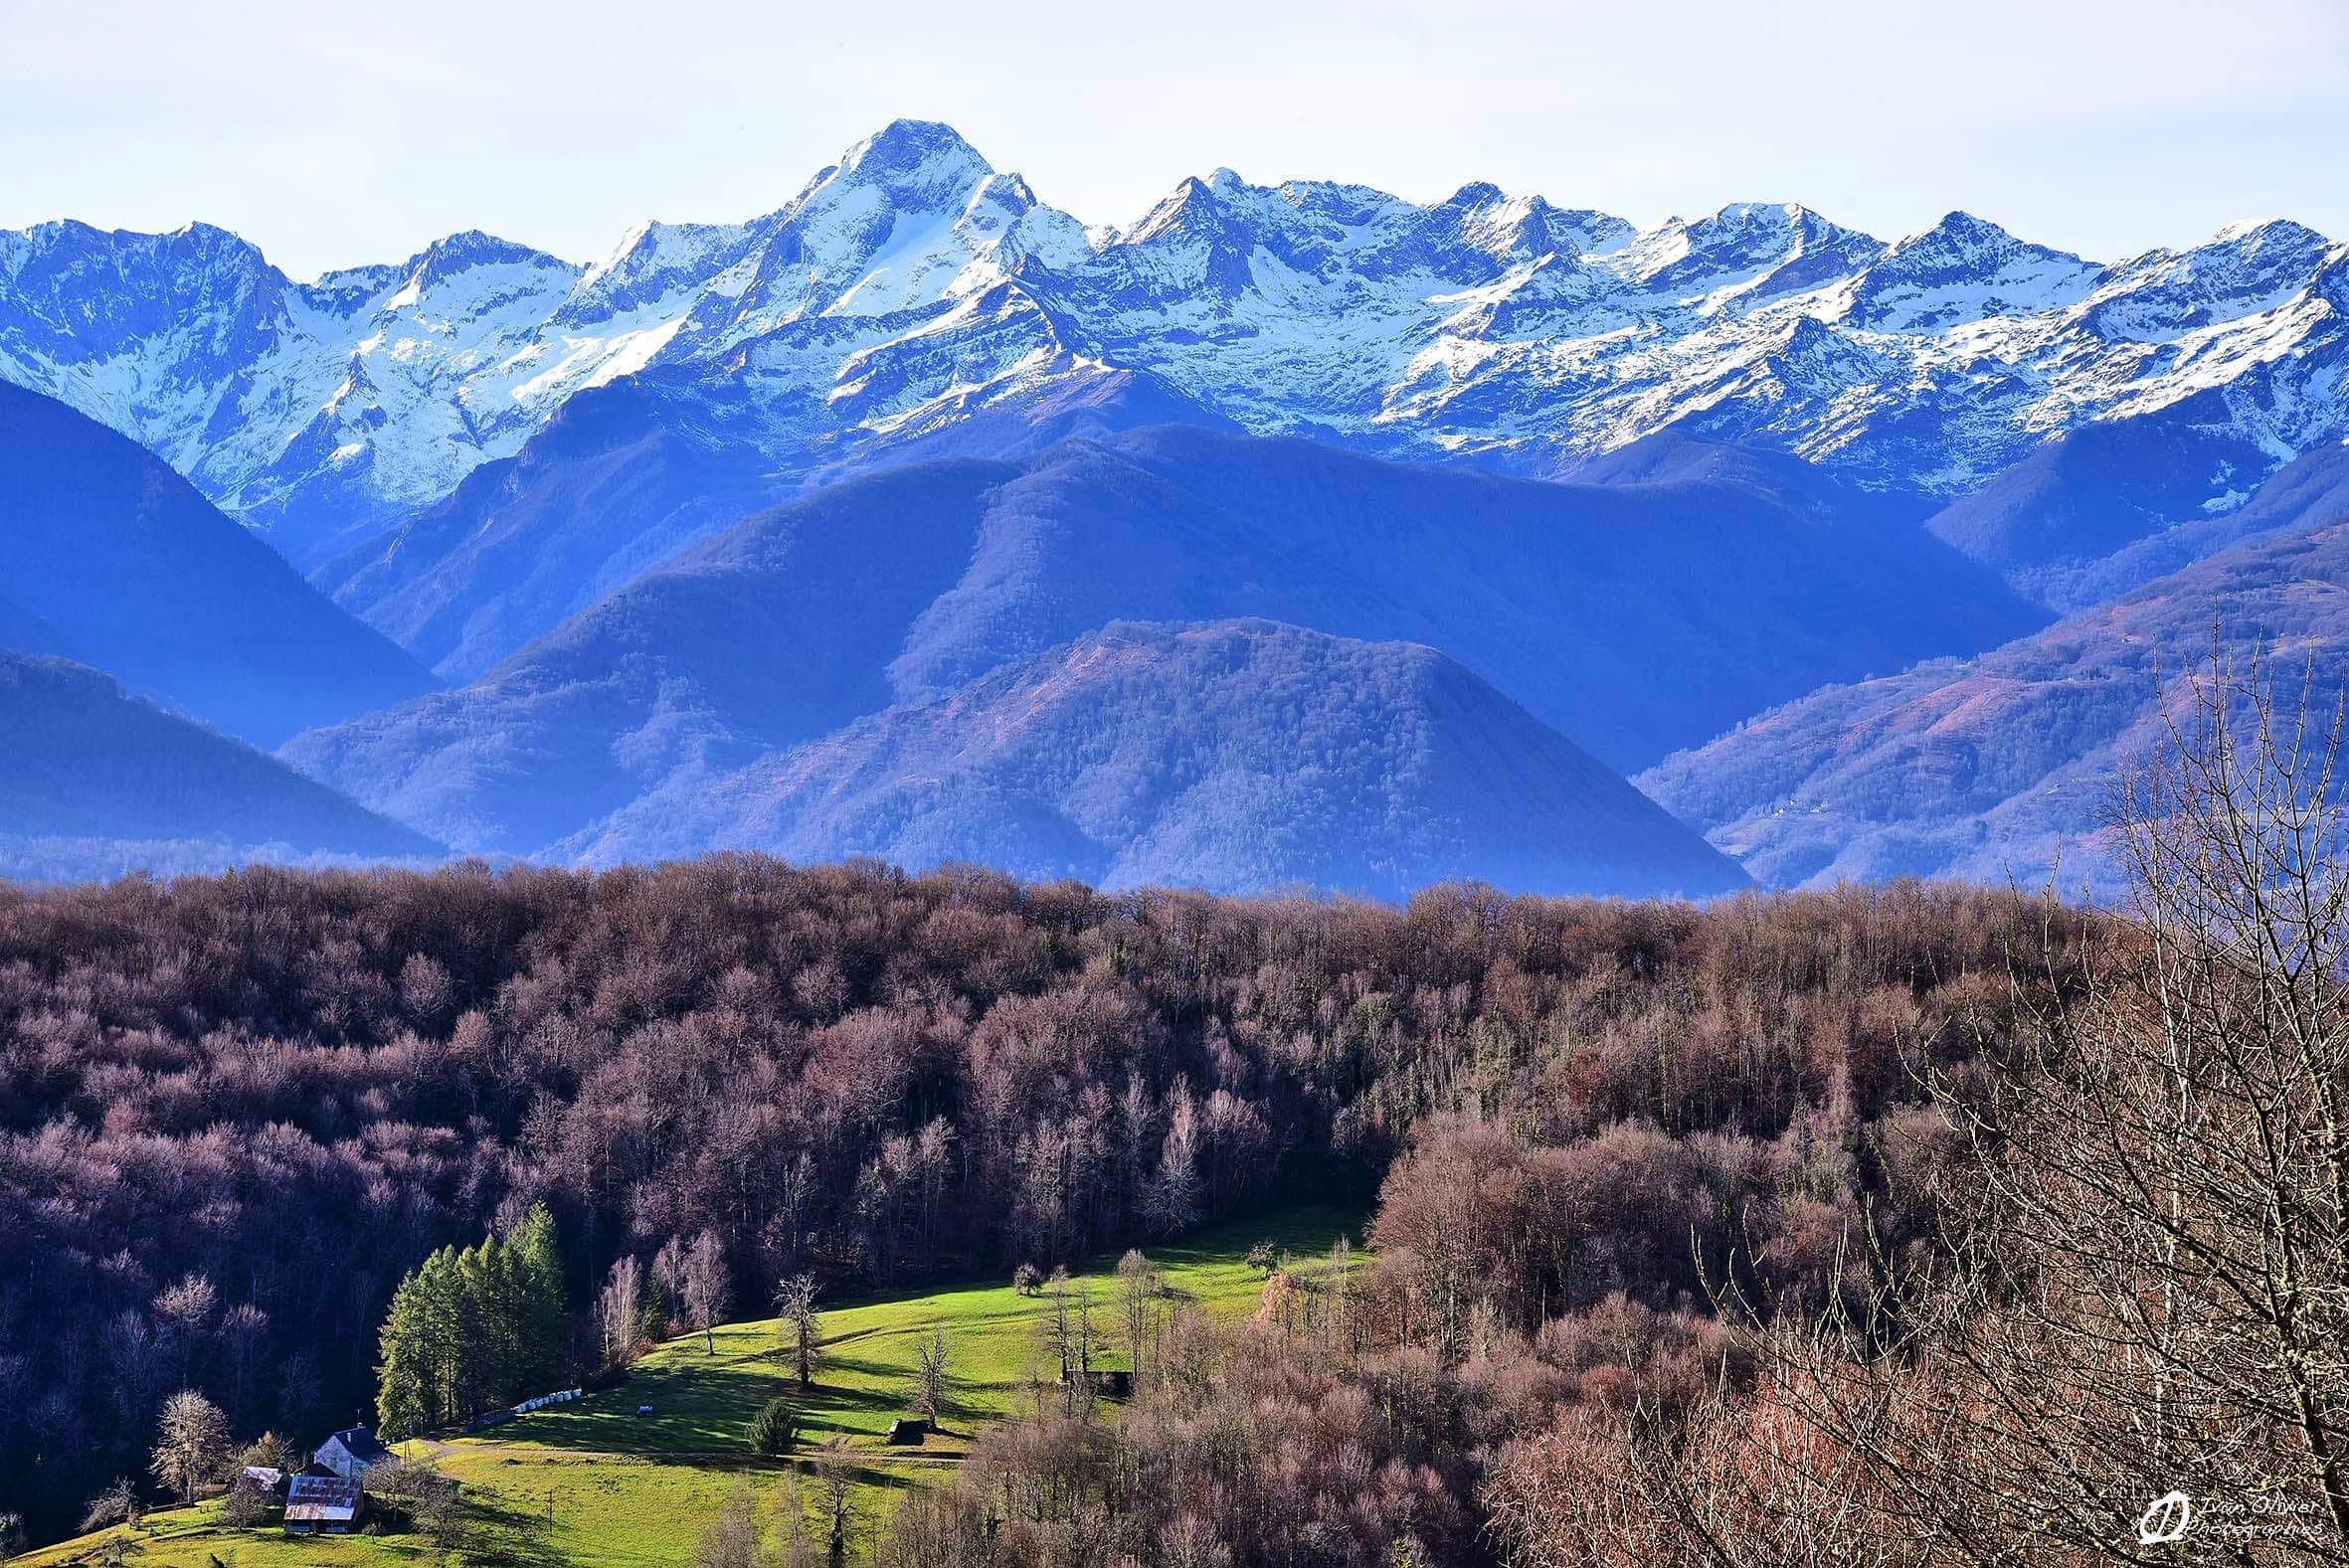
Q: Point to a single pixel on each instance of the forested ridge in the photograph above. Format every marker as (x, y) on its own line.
(236, 1111)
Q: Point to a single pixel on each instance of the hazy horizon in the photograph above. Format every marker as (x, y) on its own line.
(337, 146)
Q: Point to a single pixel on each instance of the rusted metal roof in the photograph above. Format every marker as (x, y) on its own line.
(321, 1500)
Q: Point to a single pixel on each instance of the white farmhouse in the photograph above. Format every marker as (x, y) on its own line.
(352, 1453)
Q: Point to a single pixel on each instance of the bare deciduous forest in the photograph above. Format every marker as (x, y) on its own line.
(1914, 1224)
(293, 1088)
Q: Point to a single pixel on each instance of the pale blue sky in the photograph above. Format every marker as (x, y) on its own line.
(335, 134)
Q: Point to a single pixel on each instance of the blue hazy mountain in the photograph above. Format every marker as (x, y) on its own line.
(1239, 756)
(2312, 488)
(2002, 765)
(110, 558)
(626, 474)
(95, 781)
(25, 632)
(2052, 520)
(1631, 618)
(733, 488)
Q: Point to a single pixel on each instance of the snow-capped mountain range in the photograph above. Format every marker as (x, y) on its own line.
(911, 286)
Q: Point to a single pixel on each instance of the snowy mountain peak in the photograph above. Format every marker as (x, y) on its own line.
(458, 254)
(1772, 217)
(916, 157)
(210, 239)
(1959, 233)
(1961, 271)
(1768, 225)
(1190, 193)
(1004, 220)
(1517, 228)
(1743, 257)
(2244, 278)
(656, 265)
(909, 285)
(475, 248)
(1964, 243)
(351, 289)
(2255, 233)
(69, 244)
(1008, 191)
(2265, 245)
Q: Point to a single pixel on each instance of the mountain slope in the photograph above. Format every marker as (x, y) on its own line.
(910, 287)
(2002, 765)
(1630, 618)
(626, 474)
(776, 630)
(1679, 456)
(1622, 614)
(128, 567)
(2049, 521)
(1238, 757)
(307, 409)
(22, 632)
(95, 780)
(2312, 488)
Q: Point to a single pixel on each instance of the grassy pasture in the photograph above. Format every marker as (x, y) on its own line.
(594, 1483)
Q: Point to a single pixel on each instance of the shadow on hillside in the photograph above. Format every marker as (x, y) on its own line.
(868, 1474)
(511, 1538)
(863, 1368)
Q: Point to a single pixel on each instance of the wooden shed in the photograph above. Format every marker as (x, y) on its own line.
(1118, 1384)
(266, 1480)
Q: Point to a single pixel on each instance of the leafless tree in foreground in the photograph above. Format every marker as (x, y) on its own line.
(2146, 1287)
(706, 1287)
(619, 1309)
(1750, 1483)
(933, 1380)
(2140, 1283)
(798, 1323)
(193, 1446)
(732, 1539)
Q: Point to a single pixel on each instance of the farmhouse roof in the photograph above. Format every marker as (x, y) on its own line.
(321, 1499)
(360, 1444)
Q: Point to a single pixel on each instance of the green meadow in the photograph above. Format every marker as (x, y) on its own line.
(593, 1481)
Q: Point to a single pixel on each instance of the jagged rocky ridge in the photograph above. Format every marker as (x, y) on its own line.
(911, 288)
